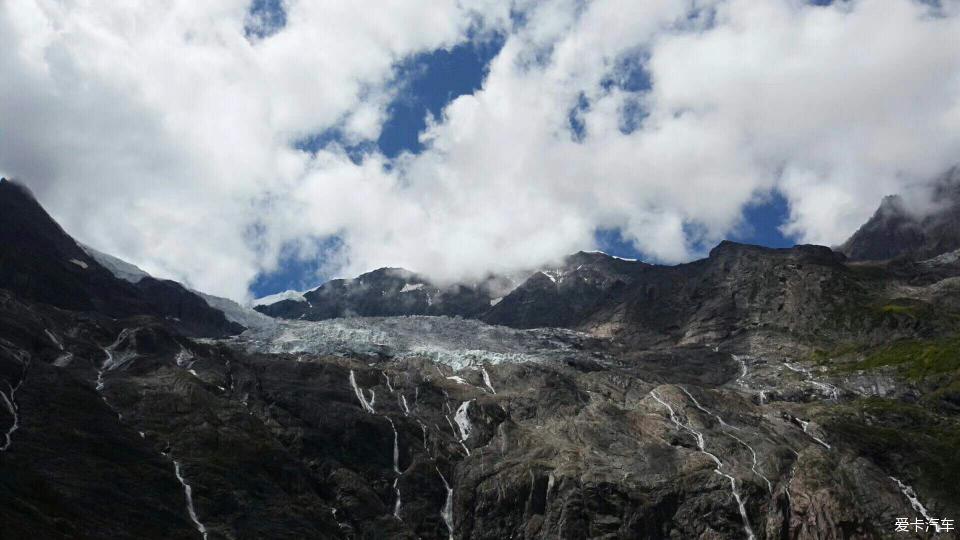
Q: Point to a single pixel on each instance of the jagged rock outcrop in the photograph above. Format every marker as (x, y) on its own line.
(566, 295)
(896, 230)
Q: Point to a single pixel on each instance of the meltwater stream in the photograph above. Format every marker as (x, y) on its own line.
(11, 403)
(915, 503)
(367, 405)
(188, 492)
(723, 425)
(701, 445)
(10, 399)
(447, 511)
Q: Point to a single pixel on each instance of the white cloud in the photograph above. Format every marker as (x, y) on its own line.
(159, 133)
(149, 130)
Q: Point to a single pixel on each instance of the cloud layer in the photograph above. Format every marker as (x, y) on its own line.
(165, 133)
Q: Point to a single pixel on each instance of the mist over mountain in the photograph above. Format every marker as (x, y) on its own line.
(755, 393)
(897, 230)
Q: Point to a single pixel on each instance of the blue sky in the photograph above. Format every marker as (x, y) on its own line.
(430, 81)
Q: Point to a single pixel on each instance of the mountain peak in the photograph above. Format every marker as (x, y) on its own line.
(896, 230)
(40, 262)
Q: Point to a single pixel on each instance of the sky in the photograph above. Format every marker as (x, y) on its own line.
(245, 148)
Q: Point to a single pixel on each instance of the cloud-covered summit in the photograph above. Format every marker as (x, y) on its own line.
(167, 133)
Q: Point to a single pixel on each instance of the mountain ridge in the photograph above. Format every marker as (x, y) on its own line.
(757, 393)
(41, 262)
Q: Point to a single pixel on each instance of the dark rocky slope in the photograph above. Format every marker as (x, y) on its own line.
(40, 262)
(564, 296)
(587, 443)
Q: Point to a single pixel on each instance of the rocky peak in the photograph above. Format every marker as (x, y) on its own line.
(384, 292)
(729, 250)
(897, 231)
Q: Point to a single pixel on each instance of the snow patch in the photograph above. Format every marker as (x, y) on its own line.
(63, 360)
(234, 312)
(459, 380)
(410, 287)
(271, 299)
(54, 339)
(945, 258)
(611, 256)
(119, 268)
(79, 263)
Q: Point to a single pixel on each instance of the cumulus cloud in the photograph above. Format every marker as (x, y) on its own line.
(157, 131)
(164, 134)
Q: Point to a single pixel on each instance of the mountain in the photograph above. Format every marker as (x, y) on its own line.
(804, 290)
(42, 263)
(234, 312)
(382, 293)
(564, 296)
(897, 231)
(757, 393)
(557, 296)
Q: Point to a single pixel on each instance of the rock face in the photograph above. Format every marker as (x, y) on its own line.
(565, 296)
(737, 288)
(385, 292)
(896, 231)
(757, 393)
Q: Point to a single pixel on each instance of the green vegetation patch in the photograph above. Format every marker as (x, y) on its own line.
(903, 439)
(915, 359)
(898, 308)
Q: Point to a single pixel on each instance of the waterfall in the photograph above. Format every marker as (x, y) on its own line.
(486, 380)
(367, 406)
(188, 491)
(701, 445)
(723, 424)
(915, 503)
(11, 404)
(447, 511)
(804, 424)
